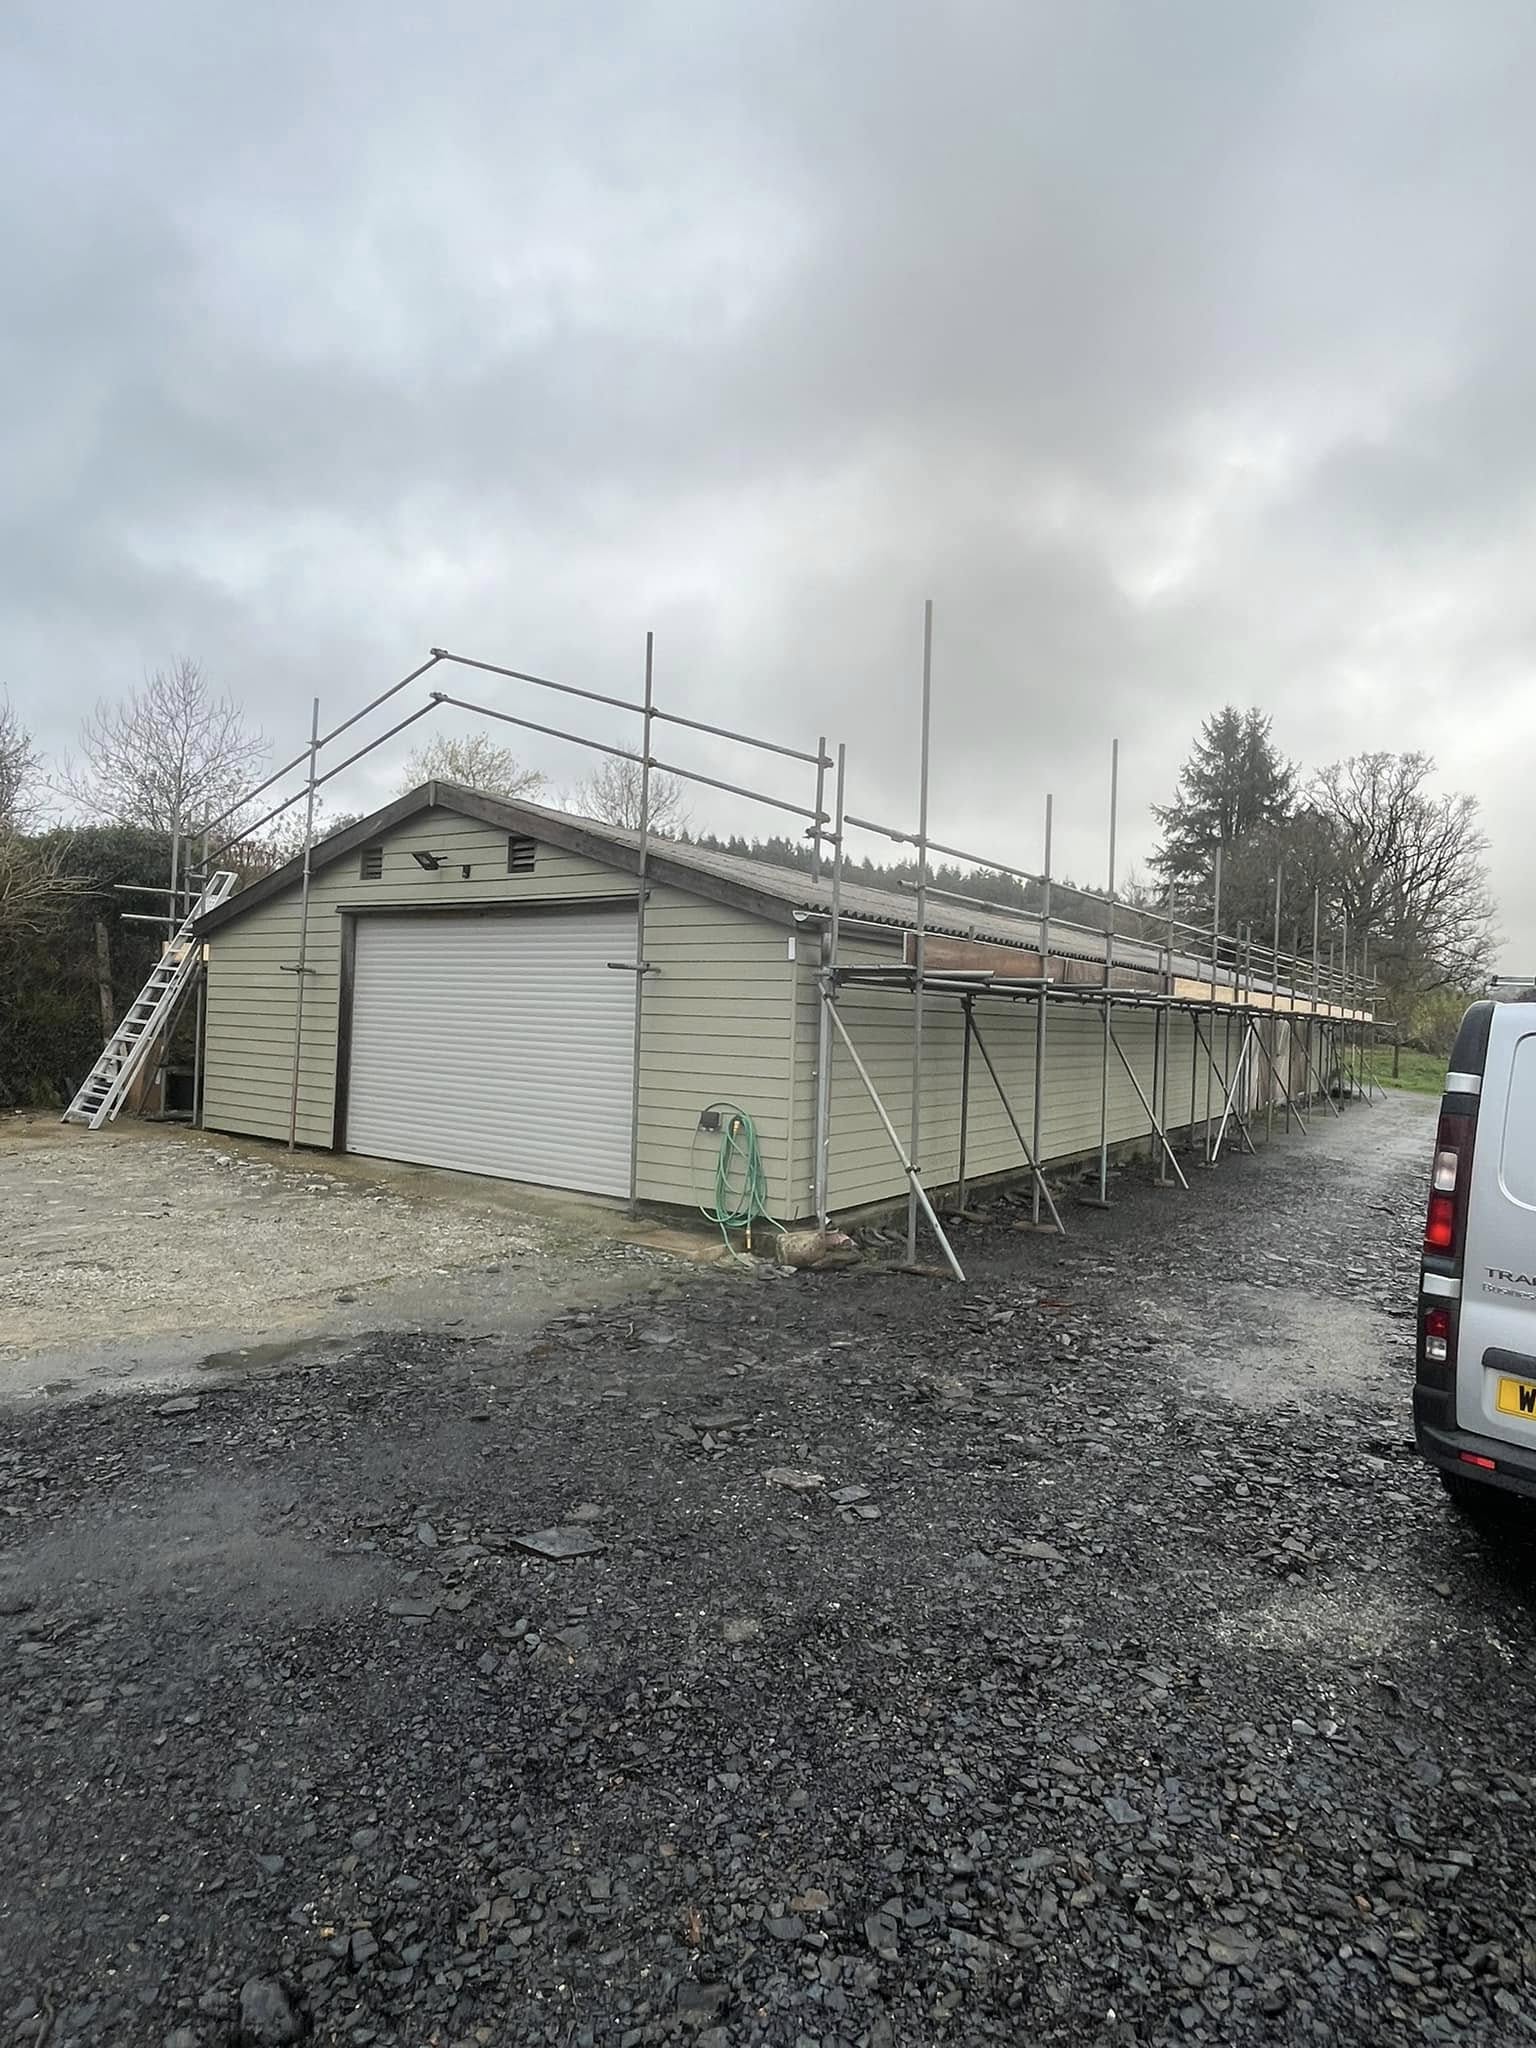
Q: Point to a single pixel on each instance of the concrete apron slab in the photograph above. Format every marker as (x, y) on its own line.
(156, 1256)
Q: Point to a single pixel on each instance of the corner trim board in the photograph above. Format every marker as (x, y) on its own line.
(344, 1030)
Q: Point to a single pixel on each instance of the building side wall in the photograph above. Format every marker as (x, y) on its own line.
(715, 1028)
(864, 1167)
(730, 1015)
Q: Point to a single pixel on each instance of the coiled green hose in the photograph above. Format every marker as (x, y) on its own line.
(741, 1185)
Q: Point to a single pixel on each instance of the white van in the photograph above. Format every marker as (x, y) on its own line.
(1474, 1405)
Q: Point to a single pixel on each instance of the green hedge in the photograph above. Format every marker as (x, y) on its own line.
(50, 1008)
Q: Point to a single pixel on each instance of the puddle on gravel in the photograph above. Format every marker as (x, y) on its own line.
(221, 1546)
(1272, 1343)
(253, 1358)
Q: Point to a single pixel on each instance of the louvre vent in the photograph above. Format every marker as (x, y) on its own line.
(371, 866)
(520, 853)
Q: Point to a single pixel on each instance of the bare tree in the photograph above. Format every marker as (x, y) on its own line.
(173, 754)
(18, 769)
(1408, 869)
(35, 889)
(1302, 855)
(283, 841)
(474, 761)
(612, 794)
(35, 886)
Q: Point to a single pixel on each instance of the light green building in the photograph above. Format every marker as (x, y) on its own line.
(469, 1002)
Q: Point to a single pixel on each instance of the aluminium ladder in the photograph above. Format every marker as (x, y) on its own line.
(150, 1015)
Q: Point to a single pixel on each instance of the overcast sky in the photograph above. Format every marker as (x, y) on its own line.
(1180, 352)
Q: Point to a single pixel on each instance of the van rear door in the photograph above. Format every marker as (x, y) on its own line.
(1496, 1351)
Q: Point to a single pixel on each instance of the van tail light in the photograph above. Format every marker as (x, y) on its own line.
(1439, 1336)
(1440, 1227)
(1448, 1179)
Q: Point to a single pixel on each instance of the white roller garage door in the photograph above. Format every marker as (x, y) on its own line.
(500, 1044)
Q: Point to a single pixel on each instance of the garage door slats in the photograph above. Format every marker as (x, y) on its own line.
(497, 1045)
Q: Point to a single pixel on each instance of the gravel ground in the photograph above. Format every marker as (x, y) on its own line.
(135, 1252)
(1077, 1657)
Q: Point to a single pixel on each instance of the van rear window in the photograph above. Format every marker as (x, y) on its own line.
(1517, 1160)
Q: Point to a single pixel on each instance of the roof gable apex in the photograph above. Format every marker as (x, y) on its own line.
(608, 846)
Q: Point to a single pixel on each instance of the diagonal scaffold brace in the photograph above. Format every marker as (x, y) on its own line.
(973, 1030)
(1213, 1068)
(1150, 1112)
(1229, 1108)
(1315, 1072)
(914, 1181)
(1275, 1077)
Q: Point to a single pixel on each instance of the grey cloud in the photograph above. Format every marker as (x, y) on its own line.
(1180, 351)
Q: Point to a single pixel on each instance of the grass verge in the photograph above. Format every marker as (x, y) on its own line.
(1420, 1073)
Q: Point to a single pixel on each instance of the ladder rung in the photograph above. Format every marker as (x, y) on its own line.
(149, 1014)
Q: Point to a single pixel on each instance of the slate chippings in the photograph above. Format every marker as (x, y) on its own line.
(1080, 1656)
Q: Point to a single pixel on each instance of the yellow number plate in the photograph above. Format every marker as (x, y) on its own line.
(1517, 1397)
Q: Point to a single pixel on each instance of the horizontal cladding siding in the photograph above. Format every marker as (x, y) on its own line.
(251, 1003)
(677, 1071)
(852, 952)
(864, 1167)
(715, 1027)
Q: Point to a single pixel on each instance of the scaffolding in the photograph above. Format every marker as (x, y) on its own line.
(1302, 1024)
